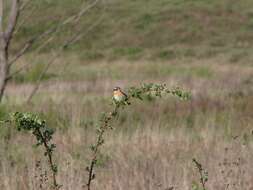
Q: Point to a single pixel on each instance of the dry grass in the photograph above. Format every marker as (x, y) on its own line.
(147, 159)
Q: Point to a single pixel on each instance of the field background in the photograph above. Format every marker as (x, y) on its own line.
(203, 46)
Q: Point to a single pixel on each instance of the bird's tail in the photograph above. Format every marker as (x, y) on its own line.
(127, 101)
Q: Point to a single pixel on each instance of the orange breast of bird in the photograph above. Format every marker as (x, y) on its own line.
(118, 95)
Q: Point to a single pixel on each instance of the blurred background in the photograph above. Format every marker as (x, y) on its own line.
(202, 46)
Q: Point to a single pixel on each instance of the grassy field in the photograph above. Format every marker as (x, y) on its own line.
(202, 46)
(163, 29)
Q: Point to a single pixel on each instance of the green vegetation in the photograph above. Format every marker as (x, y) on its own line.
(133, 29)
(43, 134)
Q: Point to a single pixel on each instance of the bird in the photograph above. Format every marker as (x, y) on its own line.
(119, 96)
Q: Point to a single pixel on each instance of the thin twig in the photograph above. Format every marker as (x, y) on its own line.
(99, 142)
(202, 173)
(37, 85)
(13, 19)
(24, 4)
(23, 21)
(68, 42)
(50, 160)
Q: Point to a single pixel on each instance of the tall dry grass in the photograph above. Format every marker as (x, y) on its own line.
(146, 159)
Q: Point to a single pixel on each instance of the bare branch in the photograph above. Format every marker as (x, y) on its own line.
(10, 76)
(74, 39)
(67, 43)
(83, 11)
(37, 85)
(13, 18)
(4, 70)
(24, 4)
(22, 22)
(27, 45)
(54, 29)
(17, 72)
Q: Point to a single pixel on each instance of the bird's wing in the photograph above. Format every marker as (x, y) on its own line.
(124, 94)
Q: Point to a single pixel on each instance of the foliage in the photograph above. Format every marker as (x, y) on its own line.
(43, 134)
(156, 90)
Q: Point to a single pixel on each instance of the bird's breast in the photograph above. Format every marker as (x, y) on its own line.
(118, 96)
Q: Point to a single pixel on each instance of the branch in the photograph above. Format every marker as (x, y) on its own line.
(49, 154)
(22, 22)
(54, 29)
(10, 76)
(13, 18)
(67, 43)
(37, 85)
(202, 173)
(24, 4)
(75, 38)
(28, 45)
(95, 148)
(43, 134)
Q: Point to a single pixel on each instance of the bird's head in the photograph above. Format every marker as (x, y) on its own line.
(116, 89)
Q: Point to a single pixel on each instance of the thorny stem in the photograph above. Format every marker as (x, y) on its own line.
(43, 134)
(50, 160)
(203, 177)
(99, 142)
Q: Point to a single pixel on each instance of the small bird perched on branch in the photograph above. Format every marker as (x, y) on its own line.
(119, 96)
